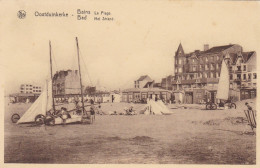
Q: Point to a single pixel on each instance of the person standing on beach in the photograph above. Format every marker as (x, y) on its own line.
(92, 112)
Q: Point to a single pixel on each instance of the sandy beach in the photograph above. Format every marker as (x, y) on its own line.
(192, 135)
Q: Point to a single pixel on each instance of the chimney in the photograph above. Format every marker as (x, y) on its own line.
(206, 47)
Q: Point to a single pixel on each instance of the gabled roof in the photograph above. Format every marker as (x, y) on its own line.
(180, 48)
(247, 55)
(142, 77)
(218, 48)
(233, 57)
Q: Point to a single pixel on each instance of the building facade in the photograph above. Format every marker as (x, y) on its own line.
(197, 73)
(29, 88)
(66, 83)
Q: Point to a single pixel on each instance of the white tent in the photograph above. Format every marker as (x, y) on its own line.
(156, 108)
(40, 106)
(223, 84)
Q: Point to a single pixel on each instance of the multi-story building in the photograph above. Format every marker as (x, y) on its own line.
(29, 88)
(243, 77)
(66, 83)
(197, 73)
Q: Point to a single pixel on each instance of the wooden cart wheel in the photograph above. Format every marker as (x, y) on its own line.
(213, 106)
(208, 106)
(233, 106)
(15, 118)
(39, 119)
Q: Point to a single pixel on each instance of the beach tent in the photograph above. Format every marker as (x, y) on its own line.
(156, 108)
(40, 106)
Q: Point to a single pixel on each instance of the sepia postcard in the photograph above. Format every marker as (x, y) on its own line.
(122, 83)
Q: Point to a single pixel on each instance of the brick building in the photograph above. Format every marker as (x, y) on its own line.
(197, 73)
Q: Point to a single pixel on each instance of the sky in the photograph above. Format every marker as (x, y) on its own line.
(141, 40)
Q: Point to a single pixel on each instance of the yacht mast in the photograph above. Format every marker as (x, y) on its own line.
(53, 105)
(81, 91)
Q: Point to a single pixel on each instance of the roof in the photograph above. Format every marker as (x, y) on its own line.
(145, 90)
(247, 55)
(142, 77)
(218, 48)
(233, 57)
(148, 84)
(180, 48)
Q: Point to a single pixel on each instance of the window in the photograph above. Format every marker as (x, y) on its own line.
(206, 58)
(180, 70)
(244, 76)
(217, 66)
(254, 75)
(211, 75)
(201, 67)
(212, 66)
(194, 68)
(179, 61)
(206, 67)
(238, 76)
(217, 74)
(244, 68)
(249, 76)
(193, 60)
(239, 68)
(191, 76)
(217, 58)
(231, 77)
(205, 75)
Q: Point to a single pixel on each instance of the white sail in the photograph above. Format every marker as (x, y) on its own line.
(223, 84)
(40, 106)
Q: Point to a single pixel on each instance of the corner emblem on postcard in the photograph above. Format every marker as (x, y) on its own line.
(21, 14)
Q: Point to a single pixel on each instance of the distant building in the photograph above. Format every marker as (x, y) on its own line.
(29, 88)
(145, 88)
(66, 83)
(141, 94)
(23, 97)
